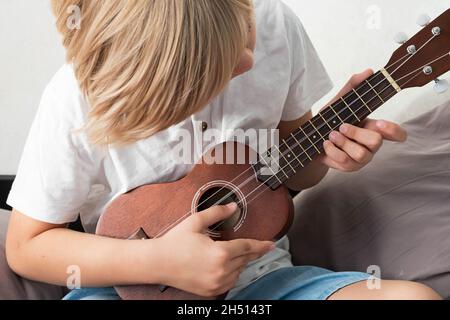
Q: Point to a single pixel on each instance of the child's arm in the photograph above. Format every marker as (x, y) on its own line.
(184, 258)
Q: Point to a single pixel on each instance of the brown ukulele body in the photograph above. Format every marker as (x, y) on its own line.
(152, 210)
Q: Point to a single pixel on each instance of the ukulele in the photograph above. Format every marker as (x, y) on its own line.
(265, 208)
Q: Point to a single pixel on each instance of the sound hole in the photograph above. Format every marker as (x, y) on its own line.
(221, 196)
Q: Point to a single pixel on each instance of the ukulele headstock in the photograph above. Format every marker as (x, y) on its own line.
(424, 57)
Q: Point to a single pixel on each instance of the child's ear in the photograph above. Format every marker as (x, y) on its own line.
(245, 64)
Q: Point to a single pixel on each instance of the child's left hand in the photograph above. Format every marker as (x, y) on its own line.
(353, 147)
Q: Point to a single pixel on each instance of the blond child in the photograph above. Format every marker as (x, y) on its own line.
(138, 72)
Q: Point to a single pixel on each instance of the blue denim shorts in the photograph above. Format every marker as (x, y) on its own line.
(293, 283)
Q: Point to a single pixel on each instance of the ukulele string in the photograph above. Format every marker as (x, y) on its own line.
(259, 194)
(418, 71)
(430, 63)
(290, 138)
(302, 140)
(325, 114)
(286, 141)
(398, 61)
(408, 56)
(415, 53)
(179, 220)
(289, 163)
(284, 154)
(245, 182)
(263, 185)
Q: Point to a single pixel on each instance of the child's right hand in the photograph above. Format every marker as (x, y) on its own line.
(191, 261)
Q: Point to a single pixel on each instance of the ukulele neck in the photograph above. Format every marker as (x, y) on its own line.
(282, 162)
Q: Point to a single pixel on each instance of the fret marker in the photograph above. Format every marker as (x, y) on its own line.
(331, 107)
(315, 147)
(289, 155)
(315, 137)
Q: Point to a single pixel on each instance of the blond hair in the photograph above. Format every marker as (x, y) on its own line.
(145, 65)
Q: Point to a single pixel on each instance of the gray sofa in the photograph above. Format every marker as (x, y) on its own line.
(393, 216)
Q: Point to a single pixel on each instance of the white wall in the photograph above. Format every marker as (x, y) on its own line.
(352, 35)
(30, 53)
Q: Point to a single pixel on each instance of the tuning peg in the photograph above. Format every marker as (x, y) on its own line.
(423, 20)
(401, 38)
(441, 86)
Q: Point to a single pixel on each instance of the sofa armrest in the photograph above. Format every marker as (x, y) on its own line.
(5, 186)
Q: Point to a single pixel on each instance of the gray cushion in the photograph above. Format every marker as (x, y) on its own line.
(394, 214)
(13, 287)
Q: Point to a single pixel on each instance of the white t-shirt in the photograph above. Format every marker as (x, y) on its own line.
(61, 175)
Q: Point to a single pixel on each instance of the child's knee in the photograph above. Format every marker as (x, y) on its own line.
(407, 290)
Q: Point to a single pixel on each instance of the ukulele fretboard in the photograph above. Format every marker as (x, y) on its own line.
(283, 161)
